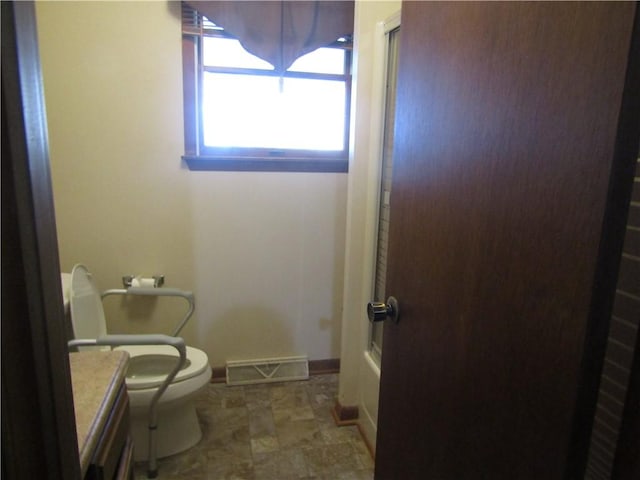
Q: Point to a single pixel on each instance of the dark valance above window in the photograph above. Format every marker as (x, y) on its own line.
(280, 31)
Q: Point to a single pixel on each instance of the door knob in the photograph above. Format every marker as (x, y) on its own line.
(379, 311)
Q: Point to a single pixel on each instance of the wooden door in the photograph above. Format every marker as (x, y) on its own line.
(509, 130)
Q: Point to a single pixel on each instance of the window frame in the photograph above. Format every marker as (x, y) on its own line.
(200, 157)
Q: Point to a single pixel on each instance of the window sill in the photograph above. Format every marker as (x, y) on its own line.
(261, 164)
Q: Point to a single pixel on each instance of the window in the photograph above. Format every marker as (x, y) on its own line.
(241, 115)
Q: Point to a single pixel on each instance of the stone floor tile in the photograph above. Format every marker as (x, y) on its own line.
(217, 470)
(282, 465)
(355, 475)
(289, 396)
(270, 431)
(292, 414)
(331, 459)
(189, 464)
(264, 445)
(332, 434)
(261, 423)
(232, 445)
(298, 434)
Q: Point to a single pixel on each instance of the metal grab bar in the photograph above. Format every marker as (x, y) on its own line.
(159, 292)
(151, 339)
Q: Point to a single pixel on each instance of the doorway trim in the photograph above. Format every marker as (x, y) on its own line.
(38, 422)
(360, 375)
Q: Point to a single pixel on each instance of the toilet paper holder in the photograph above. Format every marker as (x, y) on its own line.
(127, 280)
(147, 289)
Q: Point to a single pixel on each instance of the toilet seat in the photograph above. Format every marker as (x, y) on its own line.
(149, 365)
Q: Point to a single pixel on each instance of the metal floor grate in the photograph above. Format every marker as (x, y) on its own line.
(243, 372)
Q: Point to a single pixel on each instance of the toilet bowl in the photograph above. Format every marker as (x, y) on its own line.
(178, 428)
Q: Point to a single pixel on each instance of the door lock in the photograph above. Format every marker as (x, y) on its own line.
(379, 311)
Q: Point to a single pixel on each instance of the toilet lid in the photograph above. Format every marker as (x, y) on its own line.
(149, 365)
(66, 287)
(87, 313)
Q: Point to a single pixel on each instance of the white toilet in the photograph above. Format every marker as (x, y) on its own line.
(178, 426)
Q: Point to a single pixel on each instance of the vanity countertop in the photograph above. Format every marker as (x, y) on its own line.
(95, 379)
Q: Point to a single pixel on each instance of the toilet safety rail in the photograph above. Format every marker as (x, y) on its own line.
(159, 292)
(151, 339)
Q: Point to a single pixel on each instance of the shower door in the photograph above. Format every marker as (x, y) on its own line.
(379, 290)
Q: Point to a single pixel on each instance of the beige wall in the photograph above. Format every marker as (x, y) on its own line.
(263, 252)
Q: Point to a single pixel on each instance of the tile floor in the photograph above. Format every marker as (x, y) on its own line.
(277, 431)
